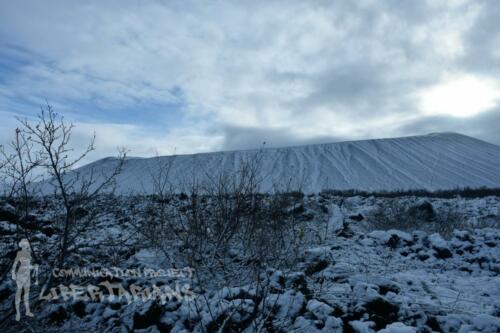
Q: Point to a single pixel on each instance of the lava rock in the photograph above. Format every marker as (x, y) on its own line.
(440, 246)
(7, 213)
(58, 315)
(357, 218)
(149, 315)
(79, 308)
(382, 312)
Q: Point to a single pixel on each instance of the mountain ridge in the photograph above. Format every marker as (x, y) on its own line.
(436, 161)
(441, 134)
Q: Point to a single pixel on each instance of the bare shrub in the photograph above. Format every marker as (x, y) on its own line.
(448, 220)
(232, 225)
(73, 193)
(490, 221)
(17, 167)
(391, 214)
(226, 227)
(396, 214)
(154, 222)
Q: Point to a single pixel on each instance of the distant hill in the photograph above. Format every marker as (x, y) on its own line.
(436, 161)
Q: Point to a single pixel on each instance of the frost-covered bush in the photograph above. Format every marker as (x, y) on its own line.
(397, 214)
(225, 225)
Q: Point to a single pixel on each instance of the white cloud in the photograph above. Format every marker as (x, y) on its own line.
(460, 95)
(319, 69)
(139, 142)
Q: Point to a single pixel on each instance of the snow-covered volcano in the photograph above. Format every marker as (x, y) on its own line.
(433, 162)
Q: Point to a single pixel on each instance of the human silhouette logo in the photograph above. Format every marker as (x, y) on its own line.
(21, 273)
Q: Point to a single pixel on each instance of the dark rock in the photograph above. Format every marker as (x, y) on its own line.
(10, 254)
(463, 236)
(465, 269)
(442, 253)
(115, 305)
(7, 213)
(165, 326)
(345, 231)
(58, 315)
(381, 312)
(149, 315)
(316, 267)
(277, 280)
(469, 249)
(346, 319)
(298, 282)
(423, 256)
(433, 324)
(440, 247)
(481, 260)
(490, 243)
(50, 231)
(79, 309)
(398, 239)
(357, 218)
(298, 209)
(393, 241)
(5, 292)
(388, 286)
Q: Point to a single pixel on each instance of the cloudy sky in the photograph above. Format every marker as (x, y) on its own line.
(193, 76)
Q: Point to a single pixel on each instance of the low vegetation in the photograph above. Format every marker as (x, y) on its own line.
(394, 214)
(443, 194)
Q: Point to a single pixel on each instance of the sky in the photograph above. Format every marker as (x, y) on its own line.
(195, 76)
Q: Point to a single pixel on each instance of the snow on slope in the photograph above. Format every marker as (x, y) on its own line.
(434, 161)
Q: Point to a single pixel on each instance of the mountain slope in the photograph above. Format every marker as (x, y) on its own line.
(432, 162)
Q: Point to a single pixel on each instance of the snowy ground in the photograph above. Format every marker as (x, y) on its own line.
(347, 277)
